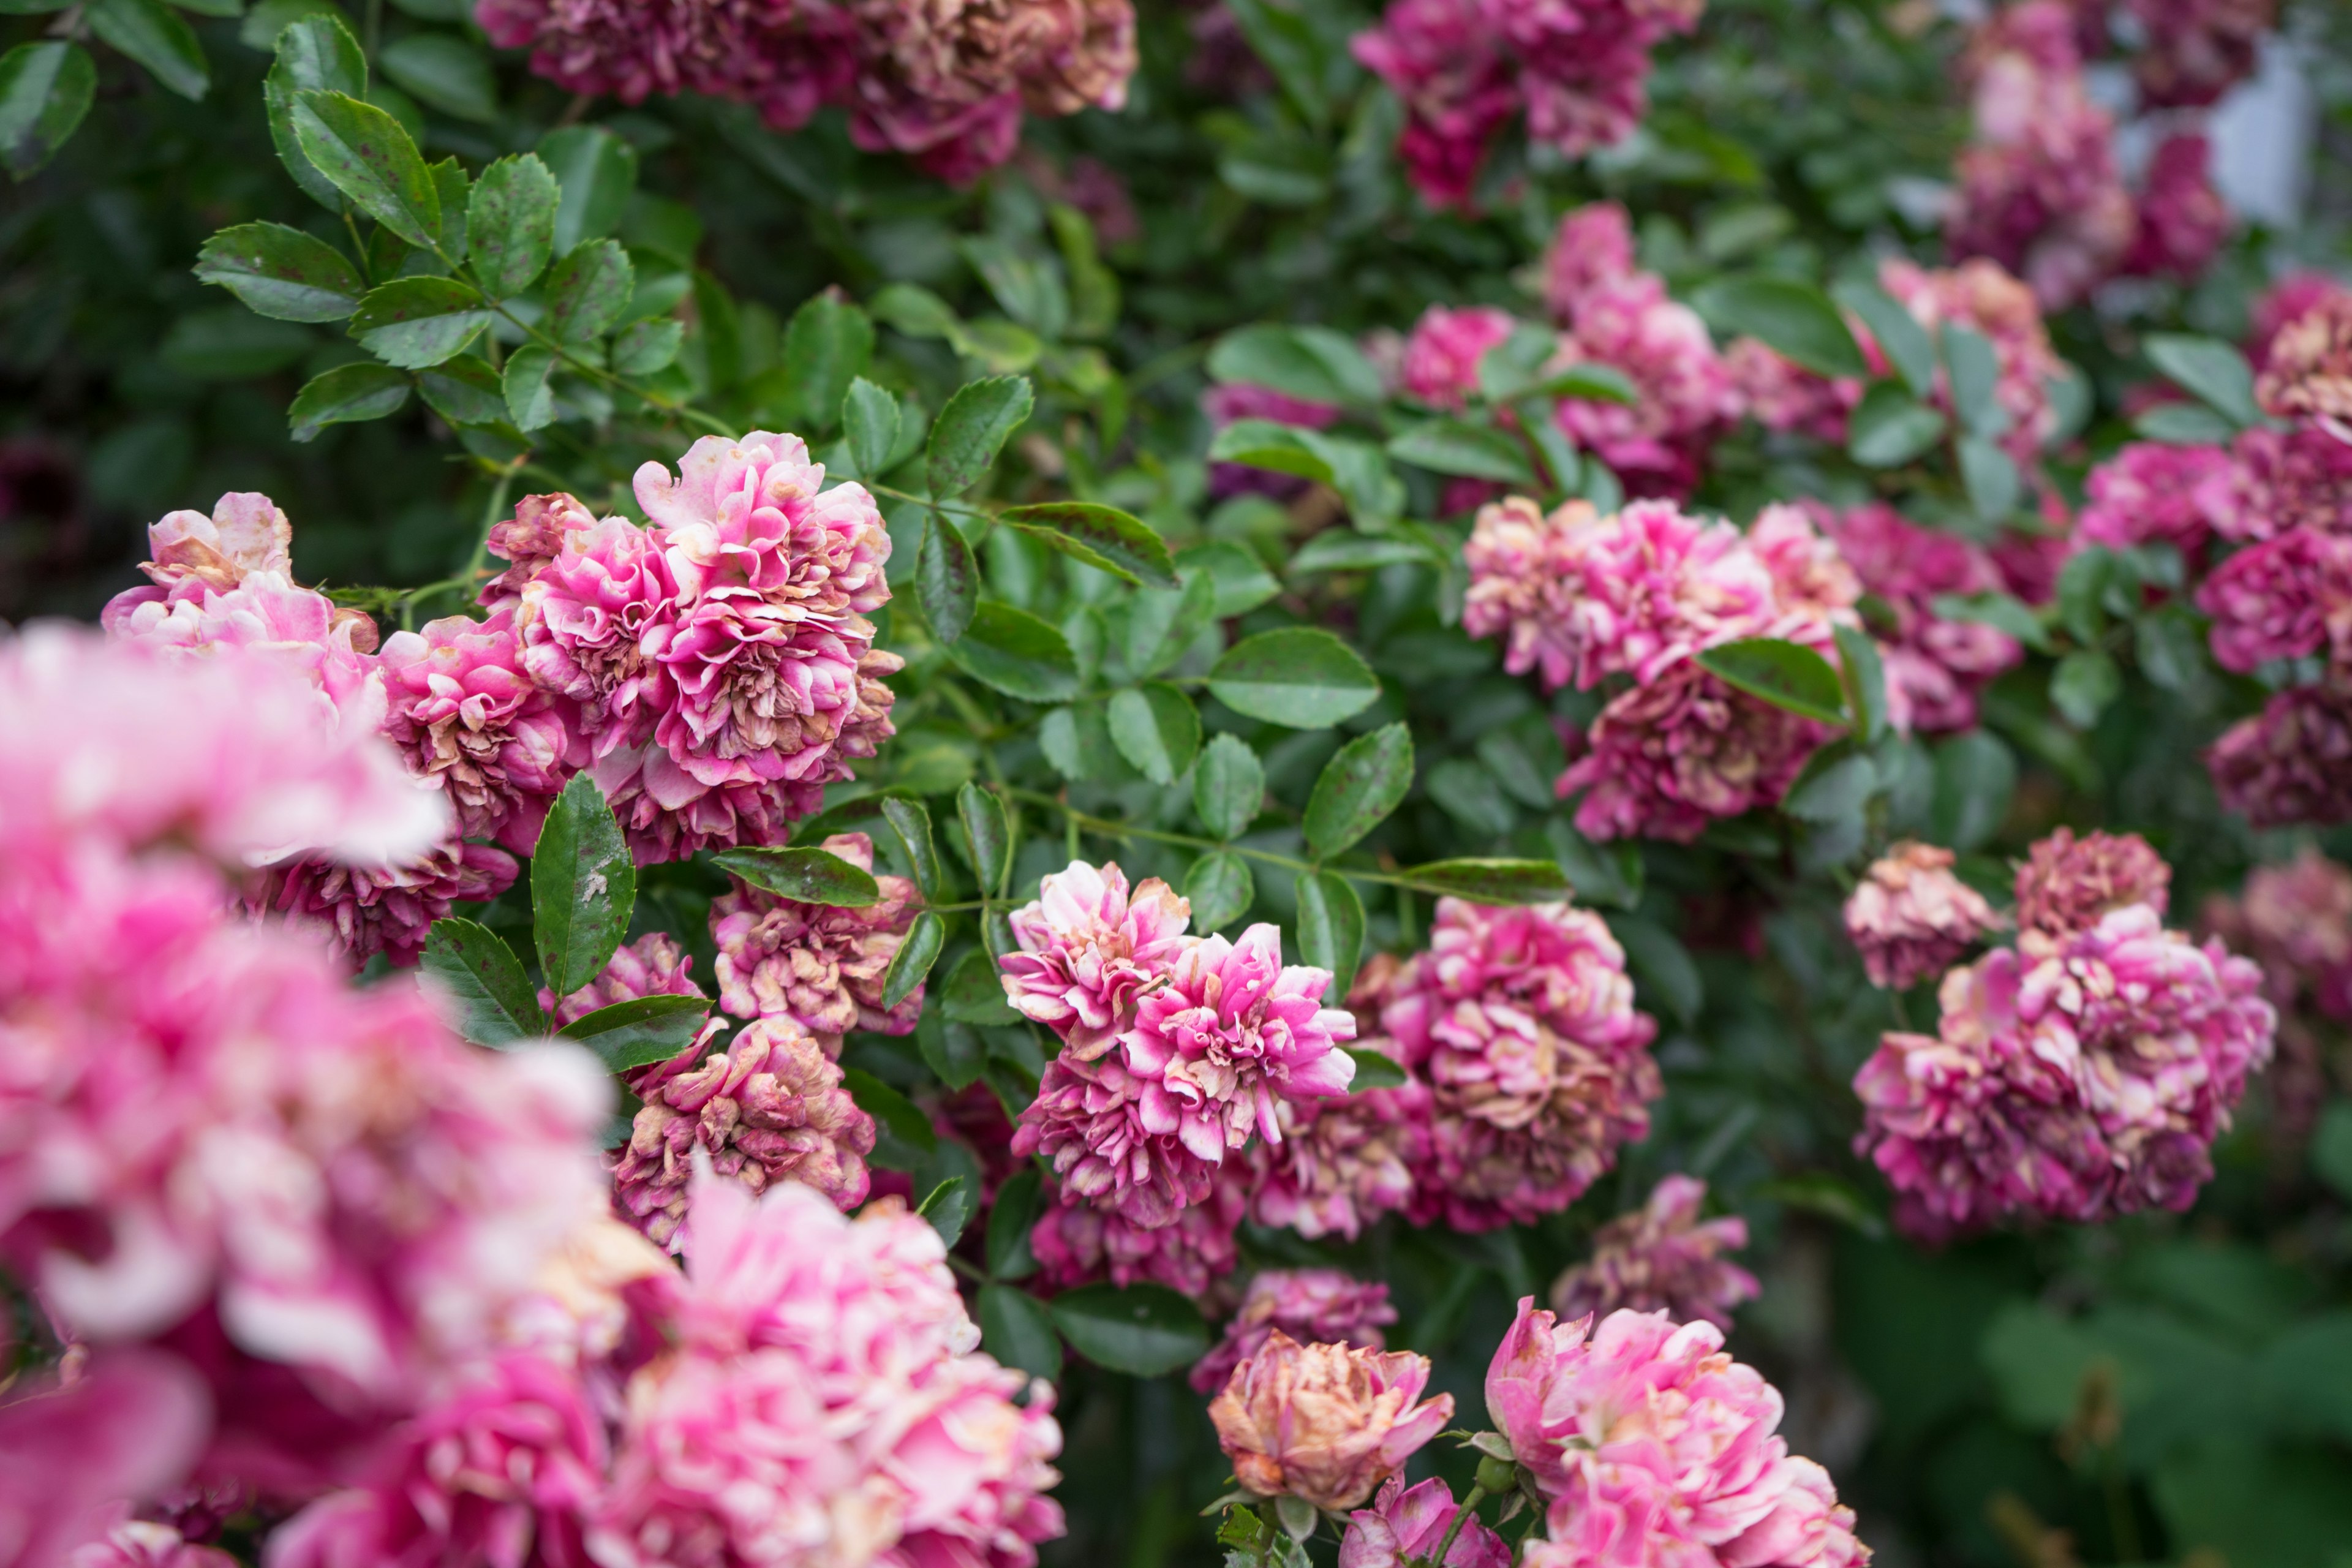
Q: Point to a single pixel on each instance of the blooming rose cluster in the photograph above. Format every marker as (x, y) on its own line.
(1983, 295)
(1636, 596)
(1661, 1257)
(1576, 70)
(2295, 922)
(2081, 1074)
(1176, 1052)
(1910, 917)
(1650, 1445)
(820, 965)
(1934, 667)
(944, 81)
(1313, 1306)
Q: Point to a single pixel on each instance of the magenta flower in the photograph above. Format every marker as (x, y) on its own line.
(768, 1110)
(1440, 358)
(820, 965)
(2150, 492)
(653, 965)
(1684, 393)
(2183, 220)
(1812, 585)
(1980, 294)
(363, 910)
(1406, 1526)
(1910, 918)
(2288, 480)
(1591, 249)
(2287, 597)
(1665, 759)
(145, 1543)
(2296, 921)
(2281, 302)
(2082, 1076)
(1313, 1306)
(1652, 1446)
(1937, 665)
(1661, 1257)
(2308, 374)
(783, 56)
(2069, 884)
(1089, 951)
(1325, 1423)
(2196, 49)
(1781, 395)
(1522, 1023)
(590, 602)
(71, 1456)
(1459, 91)
(1344, 1163)
(2292, 763)
(1191, 1252)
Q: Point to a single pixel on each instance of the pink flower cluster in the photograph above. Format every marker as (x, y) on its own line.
(819, 966)
(2149, 492)
(1650, 1446)
(1936, 666)
(1661, 1257)
(1578, 69)
(2081, 1074)
(1177, 1051)
(1313, 1306)
(653, 965)
(2296, 921)
(1982, 295)
(1612, 313)
(2195, 50)
(1910, 917)
(1440, 365)
(945, 82)
(1639, 594)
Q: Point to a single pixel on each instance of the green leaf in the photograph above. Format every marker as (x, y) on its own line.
(464, 391)
(2083, 684)
(153, 33)
(1286, 41)
(910, 822)
(449, 183)
(510, 221)
(530, 399)
(1374, 1069)
(2002, 612)
(1610, 874)
(1990, 477)
(1832, 787)
(948, 1209)
(1300, 676)
(367, 155)
(1664, 974)
(496, 1001)
(1889, 428)
(1831, 1196)
(1330, 927)
(1336, 549)
(1863, 673)
(1219, 888)
(595, 171)
(947, 579)
(1795, 320)
(312, 52)
(2183, 425)
(1973, 372)
(1143, 1331)
(643, 348)
(582, 887)
(903, 1134)
(445, 72)
(804, 876)
(1016, 1327)
(1358, 788)
(828, 345)
(990, 835)
(971, 429)
(1155, 727)
(1456, 447)
(2211, 371)
(587, 290)
(417, 322)
(1228, 787)
(973, 994)
(1591, 382)
(1017, 654)
(1277, 448)
(869, 420)
(1897, 331)
(231, 344)
(1976, 776)
(955, 1052)
(1010, 1220)
(1781, 673)
(278, 271)
(914, 959)
(1311, 362)
(45, 90)
(1484, 880)
(346, 396)
(640, 1031)
(1102, 536)
(2331, 1149)
(1160, 625)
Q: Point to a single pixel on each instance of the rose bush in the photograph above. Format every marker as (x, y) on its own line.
(968, 783)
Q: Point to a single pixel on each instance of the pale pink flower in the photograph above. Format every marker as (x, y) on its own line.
(1440, 357)
(1661, 1257)
(364, 910)
(1191, 1251)
(1592, 248)
(1313, 1306)
(2287, 479)
(1665, 759)
(1937, 665)
(2292, 763)
(2287, 597)
(468, 715)
(1088, 1122)
(786, 58)
(1911, 918)
(2308, 374)
(653, 965)
(199, 558)
(1981, 295)
(1521, 1021)
(590, 602)
(1652, 1446)
(2081, 1076)
(2069, 884)
(1406, 1526)
(1088, 951)
(768, 1110)
(1812, 583)
(2285, 300)
(1684, 393)
(71, 1457)
(2149, 492)
(820, 965)
(2183, 218)
(1325, 1423)
(146, 1543)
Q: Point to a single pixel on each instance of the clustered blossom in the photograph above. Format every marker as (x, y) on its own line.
(1325, 1423)
(2195, 50)
(1981, 295)
(944, 81)
(820, 965)
(1581, 598)
(1440, 365)
(1406, 1525)
(1781, 395)
(1936, 666)
(1578, 69)
(2295, 922)
(766, 1110)
(2084, 1073)
(1650, 1445)
(1661, 1257)
(1313, 1306)
(1521, 1024)
(1344, 1163)
(2308, 374)
(1910, 917)
(1081, 1243)
(2286, 597)
(2292, 763)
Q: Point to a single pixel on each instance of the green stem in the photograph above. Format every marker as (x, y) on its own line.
(1470, 1501)
(1103, 827)
(957, 507)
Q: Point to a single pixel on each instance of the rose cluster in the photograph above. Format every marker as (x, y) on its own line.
(1661, 1257)
(2083, 1073)
(2295, 922)
(943, 81)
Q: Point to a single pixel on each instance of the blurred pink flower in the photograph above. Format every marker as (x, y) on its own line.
(1661, 1257)
(2081, 1076)
(783, 56)
(2069, 884)
(2308, 374)
(1522, 1023)
(2183, 218)
(1403, 1527)
(1813, 587)
(1313, 1306)
(365, 910)
(2296, 921)
(2149, 492)
(2285, 300)
(2292, 763)
(1684, 393)
(767, 1110)
(1938, 666)
(1911, 918)
(144, 1544)
(72, 1456)
(466, 715)
(198, 559)
(1444, 60)
(821, 965)
(1665, 759)
(1781, 395)
(2287, 597)
(2196, 49)
(1591, 249)
(1324, 1423)
(2285, 479)
(1440, 357)
(1981, 295)
(653, 965)
(1077, 1242)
